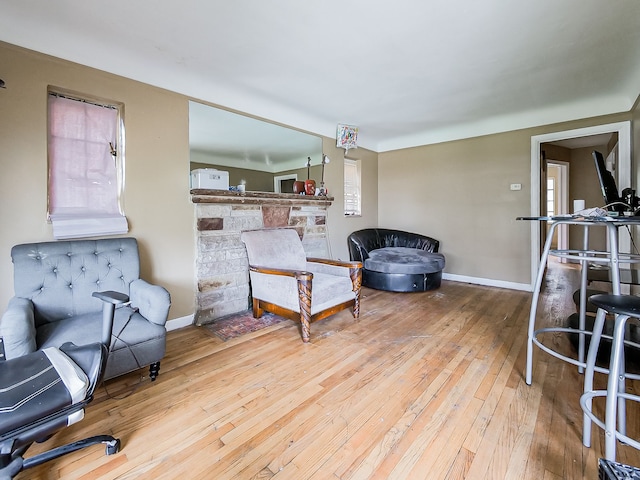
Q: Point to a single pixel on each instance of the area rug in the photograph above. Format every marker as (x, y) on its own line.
(241, 324)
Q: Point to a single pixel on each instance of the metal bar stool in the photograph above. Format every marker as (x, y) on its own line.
(614, 425)
(584, 256)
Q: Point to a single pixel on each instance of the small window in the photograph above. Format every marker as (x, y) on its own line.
(551, 197)
(352, 189)
(86, 167)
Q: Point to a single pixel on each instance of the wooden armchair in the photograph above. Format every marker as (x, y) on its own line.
(285, 282)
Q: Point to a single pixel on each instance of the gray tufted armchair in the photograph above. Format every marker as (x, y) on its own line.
(53, 302)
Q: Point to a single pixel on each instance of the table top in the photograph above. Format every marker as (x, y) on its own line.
(616, 219)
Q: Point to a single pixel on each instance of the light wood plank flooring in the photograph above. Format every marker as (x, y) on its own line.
(424, 386)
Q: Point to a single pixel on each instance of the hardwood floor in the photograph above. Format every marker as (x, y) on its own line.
(424, 386)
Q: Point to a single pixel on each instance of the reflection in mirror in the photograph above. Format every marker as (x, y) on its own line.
(264, 156)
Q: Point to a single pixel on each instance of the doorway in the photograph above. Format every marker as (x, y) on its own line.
(284, 183)
(623, 130)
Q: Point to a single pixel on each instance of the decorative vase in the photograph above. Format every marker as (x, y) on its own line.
(310, 187)
(298, 187)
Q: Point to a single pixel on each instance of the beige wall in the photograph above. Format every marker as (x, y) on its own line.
(340, 226)
(157, 202)
(458, 192)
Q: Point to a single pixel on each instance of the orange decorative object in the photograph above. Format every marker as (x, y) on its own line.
(310, 187)
(298, 187)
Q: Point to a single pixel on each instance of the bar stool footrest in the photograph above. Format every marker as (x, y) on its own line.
(603, 393)
(574, 361)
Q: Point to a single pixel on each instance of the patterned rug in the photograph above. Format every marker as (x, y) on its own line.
(241, 324)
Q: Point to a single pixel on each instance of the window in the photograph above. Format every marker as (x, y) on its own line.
(352, 189)
(86, 168)
(551, 196)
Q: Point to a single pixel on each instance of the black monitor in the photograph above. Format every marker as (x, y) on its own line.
(608, 185)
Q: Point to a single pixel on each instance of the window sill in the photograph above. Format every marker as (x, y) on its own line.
(75, 226)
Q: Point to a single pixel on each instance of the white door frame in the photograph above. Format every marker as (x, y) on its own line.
(624, 175)
(279, 178)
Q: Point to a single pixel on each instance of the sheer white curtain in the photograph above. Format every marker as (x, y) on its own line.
(352, 188)
(83, 169)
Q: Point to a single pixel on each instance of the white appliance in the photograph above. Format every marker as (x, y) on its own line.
(210, 179)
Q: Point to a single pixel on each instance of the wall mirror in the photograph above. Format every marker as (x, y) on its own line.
(265, 156)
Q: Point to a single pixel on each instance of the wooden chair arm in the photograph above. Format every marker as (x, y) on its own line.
(355, 270)
(299, 274)
(336, 263)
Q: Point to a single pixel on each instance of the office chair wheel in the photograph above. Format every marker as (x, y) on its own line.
(113, 447)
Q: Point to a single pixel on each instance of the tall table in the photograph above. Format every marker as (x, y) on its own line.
(612, 256)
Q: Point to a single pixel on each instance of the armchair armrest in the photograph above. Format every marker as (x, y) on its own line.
(351, 269)
(297, 285)
(298, 274)
(17, 328)
(110, 299)
(152, 301)
(335, 263)
(338, 263)
(116, 298)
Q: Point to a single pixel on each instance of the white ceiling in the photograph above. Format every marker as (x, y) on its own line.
(407, 72)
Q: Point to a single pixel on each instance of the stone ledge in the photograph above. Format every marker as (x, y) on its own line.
(229, 197)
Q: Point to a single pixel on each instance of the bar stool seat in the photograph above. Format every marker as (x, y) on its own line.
(617, 304)
(614, 425)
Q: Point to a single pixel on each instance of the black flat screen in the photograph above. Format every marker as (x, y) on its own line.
(608, 185)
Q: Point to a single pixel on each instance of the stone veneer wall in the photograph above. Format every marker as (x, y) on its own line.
(222, 267)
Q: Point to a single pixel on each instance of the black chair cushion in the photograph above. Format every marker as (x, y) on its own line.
(404, 260)
(618, 304)
(36, 385)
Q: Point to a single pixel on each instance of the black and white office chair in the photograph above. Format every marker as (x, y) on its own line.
(46, 391)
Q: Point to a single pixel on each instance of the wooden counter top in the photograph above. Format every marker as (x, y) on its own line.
(199, 195)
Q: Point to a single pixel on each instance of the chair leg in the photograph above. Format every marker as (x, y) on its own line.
(356, 282)
(304, 301)
(592, 354)
(112, 446)
(611, 405)
(154, 369)
(257, 311)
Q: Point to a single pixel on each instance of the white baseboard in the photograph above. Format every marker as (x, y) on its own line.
(487, 282)
(177, 323)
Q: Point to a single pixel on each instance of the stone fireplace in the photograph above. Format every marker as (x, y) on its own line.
(222, 267)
